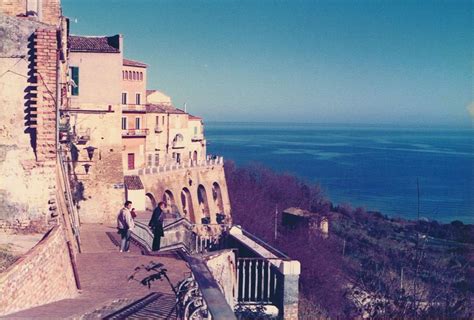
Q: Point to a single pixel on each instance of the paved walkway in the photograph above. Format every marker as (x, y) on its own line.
(103, 273)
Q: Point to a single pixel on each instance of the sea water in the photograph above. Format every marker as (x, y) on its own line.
(374, 167)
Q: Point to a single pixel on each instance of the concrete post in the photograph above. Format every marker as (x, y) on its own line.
(291, 274)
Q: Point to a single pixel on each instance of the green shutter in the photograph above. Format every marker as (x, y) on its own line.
(75, 78)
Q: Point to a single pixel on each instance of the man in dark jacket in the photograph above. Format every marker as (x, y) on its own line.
(156, 225)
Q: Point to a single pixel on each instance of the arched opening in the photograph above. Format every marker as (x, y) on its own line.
(134, 75)
(203, 204)
(150, 202)
(217, 198)
(168, 198)
(195, 155)
(187, 204)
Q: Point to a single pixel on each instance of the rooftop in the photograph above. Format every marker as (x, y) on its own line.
(133, 63)
(163, 108)
(102, 44)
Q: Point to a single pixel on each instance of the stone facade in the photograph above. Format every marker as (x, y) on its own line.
(99, 163)
(195, 193)
(41, 276)
(222, 265)
(46, 11)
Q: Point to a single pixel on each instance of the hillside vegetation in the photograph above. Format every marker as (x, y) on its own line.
(371, 265)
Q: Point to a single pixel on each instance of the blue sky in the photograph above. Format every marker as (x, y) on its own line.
(406, 62)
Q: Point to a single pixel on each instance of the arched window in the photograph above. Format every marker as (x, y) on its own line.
(127, 75)
(203, 204)
(187, 205)
(141, 76)
(134, 75)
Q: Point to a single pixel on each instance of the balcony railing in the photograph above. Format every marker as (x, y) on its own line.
(133, 108)
(134, 133)
(209, 162)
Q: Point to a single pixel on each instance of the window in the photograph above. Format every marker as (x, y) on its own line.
(127, 75)
(157, 120)
(137, 123)
(141, 76)
(75, 78)
(163, 121)
(195, 130)
(150, 160)
(137, 98)
(124, 123)
(157, 159)
(134, 75)
(124, 98)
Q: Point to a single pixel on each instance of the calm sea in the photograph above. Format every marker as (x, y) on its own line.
(374, 167)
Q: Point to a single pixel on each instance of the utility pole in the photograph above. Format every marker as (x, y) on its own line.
(276, 221)
(401, 279)
(344, 248)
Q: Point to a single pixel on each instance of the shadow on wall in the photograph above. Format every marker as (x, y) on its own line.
(30, 96)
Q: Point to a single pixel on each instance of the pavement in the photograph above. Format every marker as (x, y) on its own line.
(103, 274)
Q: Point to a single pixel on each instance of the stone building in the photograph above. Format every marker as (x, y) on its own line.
(111, 114)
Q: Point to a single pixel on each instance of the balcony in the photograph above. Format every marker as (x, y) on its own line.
(134, 133)
(133, 108)
(197, 138)
(178, 145)
(158, 129)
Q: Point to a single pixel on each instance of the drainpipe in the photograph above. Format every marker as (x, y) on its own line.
(58, 88)
(167, 134)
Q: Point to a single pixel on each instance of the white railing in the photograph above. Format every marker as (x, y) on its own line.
(257, 280)
(209, 162)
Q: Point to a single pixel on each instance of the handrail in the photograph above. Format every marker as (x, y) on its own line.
(74, 215)
(262, 243)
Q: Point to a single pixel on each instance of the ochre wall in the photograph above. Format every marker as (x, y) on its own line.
(42, 275)
(100, 77)
(132, 87)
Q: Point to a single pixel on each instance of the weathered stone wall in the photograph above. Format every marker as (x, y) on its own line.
(103, 184)
(27, 171)
(46, 11)
(190, 178)
(41, 276)
(222, 265)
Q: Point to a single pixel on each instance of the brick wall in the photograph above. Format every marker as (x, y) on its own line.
(45, 72)
(50, 9)
(41, 276)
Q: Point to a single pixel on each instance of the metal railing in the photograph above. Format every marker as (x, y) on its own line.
(257, 280)
(181, 234)
(134, 132)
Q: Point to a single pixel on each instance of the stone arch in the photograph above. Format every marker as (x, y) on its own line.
(187, 204)
(217, 197)
(178, 138)
(168, 198)
(150, 202)
(203, 202)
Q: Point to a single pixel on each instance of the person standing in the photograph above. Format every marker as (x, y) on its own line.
(156, 225)
(125, 225)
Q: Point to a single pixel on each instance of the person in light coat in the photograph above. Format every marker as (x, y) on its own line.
(125, 225)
